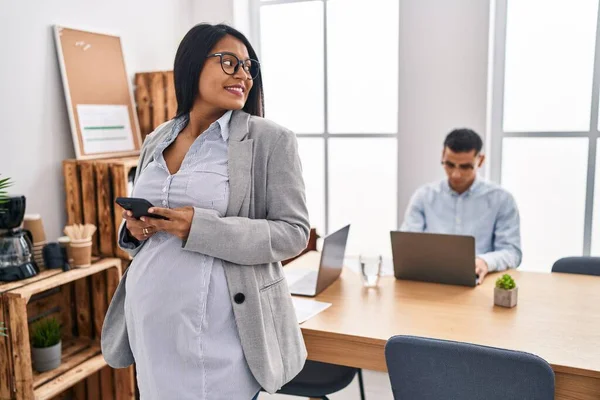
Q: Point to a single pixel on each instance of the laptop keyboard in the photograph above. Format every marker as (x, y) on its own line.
(306, 285)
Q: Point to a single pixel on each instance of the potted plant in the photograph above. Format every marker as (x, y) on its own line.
(505, 292)
(4, 184)
(46, 346)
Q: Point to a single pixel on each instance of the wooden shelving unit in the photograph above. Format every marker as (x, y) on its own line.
(82, 296)
(81, 358)
(91, 187)
(155, 99)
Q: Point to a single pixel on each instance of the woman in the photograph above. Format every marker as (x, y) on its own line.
(204, 309)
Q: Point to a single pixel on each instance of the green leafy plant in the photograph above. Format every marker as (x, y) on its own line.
(4, 184)
(2, 329)
(45, 333)
(506, 282)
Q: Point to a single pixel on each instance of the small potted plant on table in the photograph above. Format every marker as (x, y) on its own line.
(506, 291)
(46, 346)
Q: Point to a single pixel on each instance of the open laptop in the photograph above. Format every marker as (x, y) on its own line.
(330, 264)
(432, 257)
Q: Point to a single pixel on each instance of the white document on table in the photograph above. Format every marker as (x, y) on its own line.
(105, 128)
(308, 308)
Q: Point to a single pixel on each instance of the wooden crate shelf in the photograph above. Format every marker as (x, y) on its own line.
(79, 298)
(73, 354)
(91, 187)
(155, 99)
(70, 378)
(80, 359)
(53, 280)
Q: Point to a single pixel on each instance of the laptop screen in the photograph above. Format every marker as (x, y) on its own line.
(332, 256)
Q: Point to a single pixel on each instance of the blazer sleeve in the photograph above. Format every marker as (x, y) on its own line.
(127, 242)
(282, 235)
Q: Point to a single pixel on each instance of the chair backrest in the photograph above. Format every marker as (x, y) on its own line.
(430, 369)
(578, 265)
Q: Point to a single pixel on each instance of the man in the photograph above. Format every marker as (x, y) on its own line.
(465, 204)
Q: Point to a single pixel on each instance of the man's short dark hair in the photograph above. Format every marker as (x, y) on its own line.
(463, 141)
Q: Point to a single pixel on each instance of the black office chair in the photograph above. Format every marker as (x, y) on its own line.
(578, 265)
(432, 369)
(319, 379)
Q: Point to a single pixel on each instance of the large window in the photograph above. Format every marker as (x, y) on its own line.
(331, 75)
(545, 124)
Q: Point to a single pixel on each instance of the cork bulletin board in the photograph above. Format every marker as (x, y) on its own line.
(98, 94)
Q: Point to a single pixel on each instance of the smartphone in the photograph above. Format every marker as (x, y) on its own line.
(138, 207)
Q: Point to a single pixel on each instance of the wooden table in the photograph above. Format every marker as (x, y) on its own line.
(557, 318)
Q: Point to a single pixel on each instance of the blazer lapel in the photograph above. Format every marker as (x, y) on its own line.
(240, 162)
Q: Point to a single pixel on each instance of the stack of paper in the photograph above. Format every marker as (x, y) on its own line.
(308, 308)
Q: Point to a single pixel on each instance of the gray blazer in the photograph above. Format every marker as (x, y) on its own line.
(266, 222)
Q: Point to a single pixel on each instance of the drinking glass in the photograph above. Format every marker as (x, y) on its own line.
(370, 269)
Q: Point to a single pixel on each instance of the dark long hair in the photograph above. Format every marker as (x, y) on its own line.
(189, 61)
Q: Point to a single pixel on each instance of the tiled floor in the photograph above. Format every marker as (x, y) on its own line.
(377, 387)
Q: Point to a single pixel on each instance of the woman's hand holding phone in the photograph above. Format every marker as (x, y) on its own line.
(176, 221)
(141, 230)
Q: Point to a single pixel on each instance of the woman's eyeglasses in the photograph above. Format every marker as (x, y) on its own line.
(231, 64)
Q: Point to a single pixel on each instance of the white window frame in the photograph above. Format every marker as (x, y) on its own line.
(255, 6)
(498, 134)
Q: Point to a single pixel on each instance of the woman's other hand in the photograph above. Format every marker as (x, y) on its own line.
(178, 222)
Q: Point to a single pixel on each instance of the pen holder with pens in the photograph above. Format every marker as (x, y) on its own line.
(80, 244)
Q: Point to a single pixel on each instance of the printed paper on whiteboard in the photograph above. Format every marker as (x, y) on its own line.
(105, 128)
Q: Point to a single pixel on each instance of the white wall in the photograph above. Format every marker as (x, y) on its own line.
(35, 135)
(212, 11)
(443, 83)
(232, 12)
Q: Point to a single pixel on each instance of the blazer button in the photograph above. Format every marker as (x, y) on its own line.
(239, 298)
